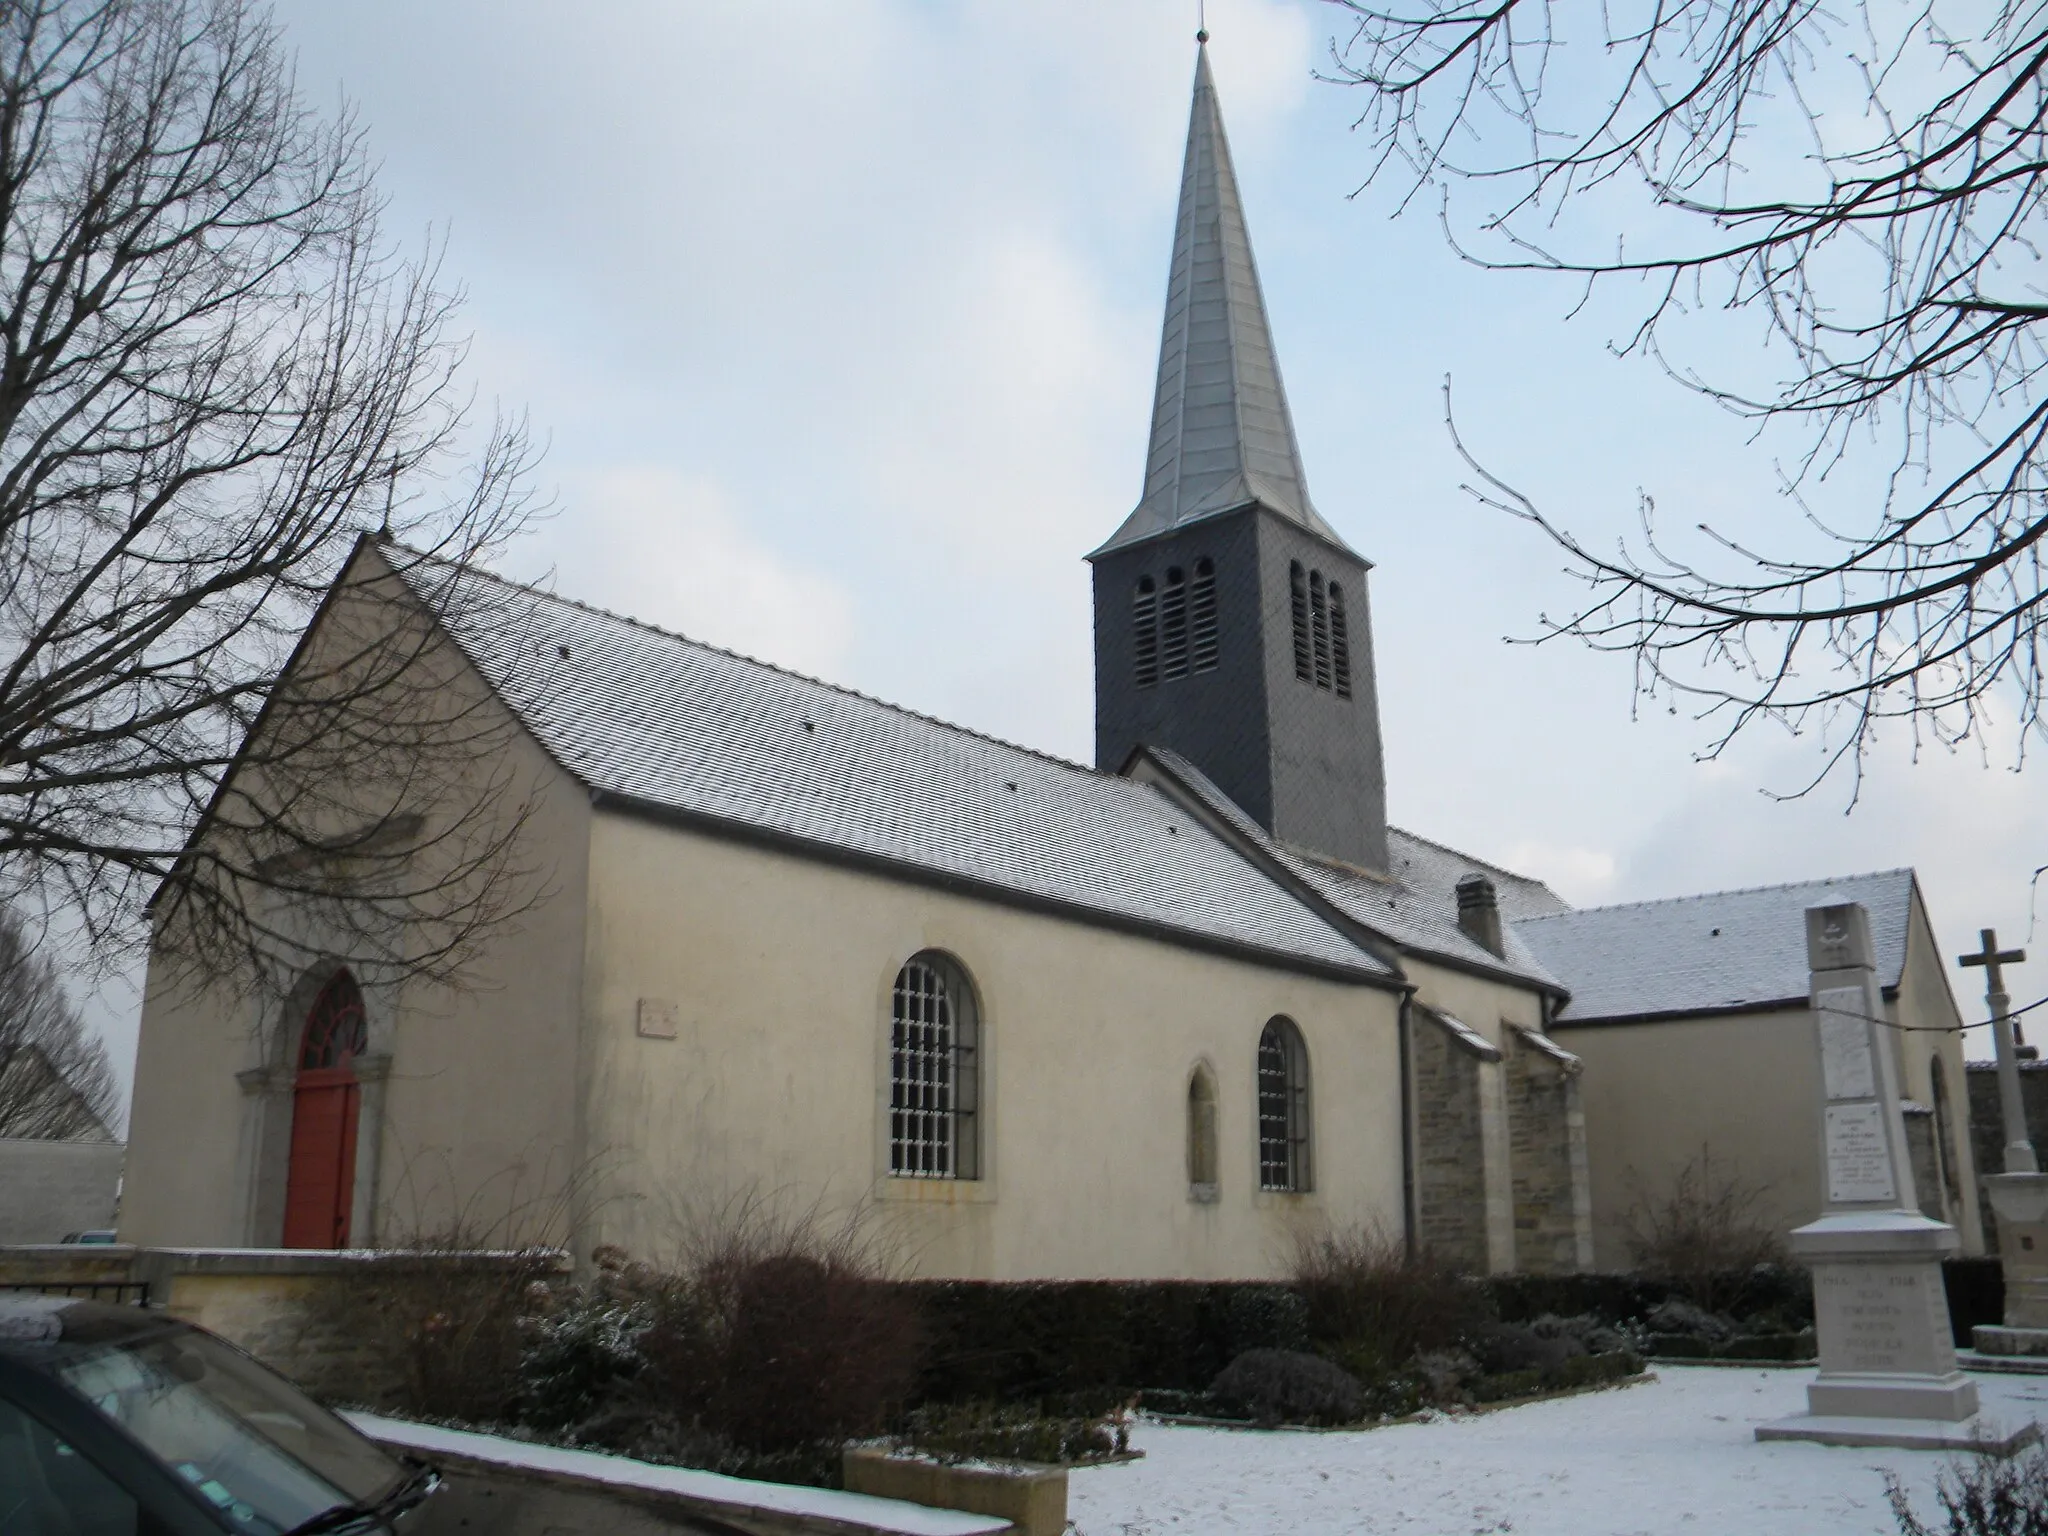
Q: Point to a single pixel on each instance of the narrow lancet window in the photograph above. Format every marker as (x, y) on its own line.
(1202, 1134)
(1298, 588)
(1340, 642)
(1173, 625)
(1202, 642)
(1145, 632)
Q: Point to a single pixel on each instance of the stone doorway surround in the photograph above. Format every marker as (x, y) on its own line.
(263, 1155)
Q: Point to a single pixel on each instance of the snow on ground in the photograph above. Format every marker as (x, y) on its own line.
(1674, 1456)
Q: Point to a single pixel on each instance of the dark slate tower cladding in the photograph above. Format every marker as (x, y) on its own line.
(1230, 620)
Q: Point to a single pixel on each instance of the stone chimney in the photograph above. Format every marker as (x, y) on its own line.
(1479, 912)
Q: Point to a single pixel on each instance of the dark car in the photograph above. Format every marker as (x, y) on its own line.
(120, 1421)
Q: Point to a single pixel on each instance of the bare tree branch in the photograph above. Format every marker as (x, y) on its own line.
(215, 380)
(1870, 182)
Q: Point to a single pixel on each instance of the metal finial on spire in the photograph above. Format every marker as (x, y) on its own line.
(1201, 21)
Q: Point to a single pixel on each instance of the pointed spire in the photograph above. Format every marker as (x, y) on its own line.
(1221, 433)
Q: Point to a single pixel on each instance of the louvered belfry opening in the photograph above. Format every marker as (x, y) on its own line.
(1174, 627)
(1204, 646)
(1322, 632)
(1340, 643)
(934, 1087)
(1145, 632)
(1283, 1108)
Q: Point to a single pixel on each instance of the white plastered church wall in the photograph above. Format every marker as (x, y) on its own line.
(468, 1117)
(776, 1086)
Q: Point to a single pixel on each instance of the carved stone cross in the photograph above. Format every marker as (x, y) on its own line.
(2019, 1144)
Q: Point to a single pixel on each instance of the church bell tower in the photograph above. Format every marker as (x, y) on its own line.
(1231, 622)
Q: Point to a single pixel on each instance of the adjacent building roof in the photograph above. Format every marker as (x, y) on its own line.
(1417, 909)
(1723, 952)
(664, 724)
(1222, 436)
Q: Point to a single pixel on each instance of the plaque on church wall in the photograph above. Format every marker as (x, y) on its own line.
(1845, 1062)
(657, 1018)
(1859, 1161)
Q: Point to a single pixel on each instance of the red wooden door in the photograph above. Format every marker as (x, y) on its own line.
(321, 1184)
(320, 1179)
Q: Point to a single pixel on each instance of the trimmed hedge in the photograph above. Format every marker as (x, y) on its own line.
(1084, 1345)
(1093, 1340)
(1976, 1294)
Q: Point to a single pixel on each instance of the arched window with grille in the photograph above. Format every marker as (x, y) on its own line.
(1340, 643)
(1297, 586)
(1145, 632)
(934, 1071)
(1283, 1108)
(1202, 1179)
(1173, 624)
(1204, 647)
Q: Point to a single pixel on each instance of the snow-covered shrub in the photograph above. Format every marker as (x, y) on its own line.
(580, 1358)
(1507, 1348)
(1284, 1386)
(1020, 1433)
(1986, 1496)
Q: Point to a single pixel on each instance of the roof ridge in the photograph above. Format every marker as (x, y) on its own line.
(1738, 890)
(1473, 858)
(753, 661)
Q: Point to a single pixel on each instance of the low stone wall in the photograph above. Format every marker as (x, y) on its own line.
(51, 1189)
(302, 1312)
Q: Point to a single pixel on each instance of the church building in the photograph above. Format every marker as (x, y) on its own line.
(1158, 1016)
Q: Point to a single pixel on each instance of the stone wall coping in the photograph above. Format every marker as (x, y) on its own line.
(736, 1500)
(314, 1261)
(164, 1262)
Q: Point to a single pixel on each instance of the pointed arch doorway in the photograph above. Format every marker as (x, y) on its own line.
(320, 1178)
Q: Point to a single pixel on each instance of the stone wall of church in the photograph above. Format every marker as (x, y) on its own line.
(1450, 1152)
(1539, 1098)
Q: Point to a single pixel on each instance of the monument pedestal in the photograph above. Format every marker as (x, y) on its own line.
(1888, 1373)
(2020, 1203)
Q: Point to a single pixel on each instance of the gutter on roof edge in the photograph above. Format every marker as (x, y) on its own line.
(1002, 895)
(1380, 946)
(1717, 1011)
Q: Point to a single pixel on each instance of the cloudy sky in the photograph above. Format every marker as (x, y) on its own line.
(841, 325)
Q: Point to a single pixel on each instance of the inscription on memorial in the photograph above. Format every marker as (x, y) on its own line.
(1876, 1319)
(1846, 1068)
(1859, 1161)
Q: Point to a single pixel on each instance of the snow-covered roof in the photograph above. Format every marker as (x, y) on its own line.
(1415, 910)
(1718, 952)
(662, 724)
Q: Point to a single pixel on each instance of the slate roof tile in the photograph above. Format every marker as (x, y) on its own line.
(1417, 910)
(1697, 954)
(640, 713)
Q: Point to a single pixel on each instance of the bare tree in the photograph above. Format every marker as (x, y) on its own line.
(219, 390)
(1866, 183)
(56, 1082)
